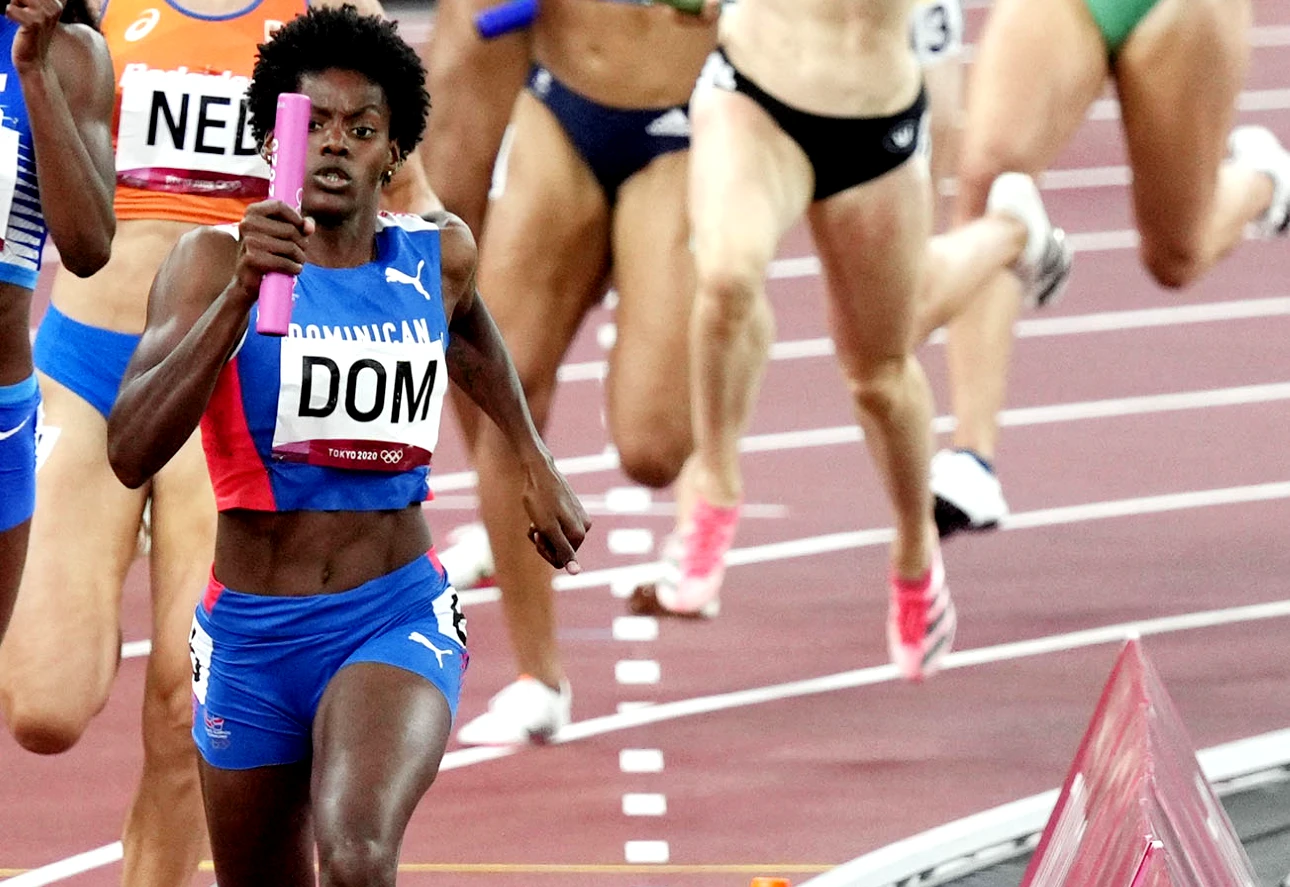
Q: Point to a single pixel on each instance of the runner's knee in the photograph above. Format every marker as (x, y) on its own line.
(731, 303)
(346, 859)
(40, 726)
(881, 387)
(168, 719)
(1173, 263)
(651, 453)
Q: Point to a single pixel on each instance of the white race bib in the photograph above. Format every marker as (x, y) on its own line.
(8, 175)
(200, 649)
(937, 30)
(371, 406)
(186, 132)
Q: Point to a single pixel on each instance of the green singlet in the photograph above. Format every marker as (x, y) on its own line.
(1116, 19)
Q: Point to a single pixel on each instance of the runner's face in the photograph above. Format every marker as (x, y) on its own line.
(349, 143)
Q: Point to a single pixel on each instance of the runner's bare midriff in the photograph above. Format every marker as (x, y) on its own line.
(846, 58)
(295, 553)
(116, 298)
(619, 54)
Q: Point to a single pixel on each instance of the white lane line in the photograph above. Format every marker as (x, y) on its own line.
(595, 505)
(1248, 100)
(69, 867)
(623, 579)
(812, 545)
(1106, 634)
(1015, 418)
(668, 711)
(1029, 328)
(1080, 241)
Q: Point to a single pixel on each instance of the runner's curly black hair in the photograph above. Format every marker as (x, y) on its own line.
(78, 12)
(329, 37)
(75, 12)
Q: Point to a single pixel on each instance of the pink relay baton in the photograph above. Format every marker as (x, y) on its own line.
(286, 182)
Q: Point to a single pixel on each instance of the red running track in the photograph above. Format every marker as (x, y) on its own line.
(797, 781)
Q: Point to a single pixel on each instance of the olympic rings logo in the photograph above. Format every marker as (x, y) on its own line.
(391, 457)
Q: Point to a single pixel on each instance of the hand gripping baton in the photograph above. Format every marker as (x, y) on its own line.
(286, 181)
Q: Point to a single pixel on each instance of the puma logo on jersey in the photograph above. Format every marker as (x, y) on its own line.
(394, 275)
(423, 641)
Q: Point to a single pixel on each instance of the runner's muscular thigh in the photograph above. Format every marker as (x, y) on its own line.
(837, 57)
(620, 54)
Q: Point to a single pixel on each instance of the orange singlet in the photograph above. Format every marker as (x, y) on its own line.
(184, 150)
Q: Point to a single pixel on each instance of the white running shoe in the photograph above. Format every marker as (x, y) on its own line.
(1045, 263)
(525, 711)
(468, 557)
(1257, 148)
(968, 495)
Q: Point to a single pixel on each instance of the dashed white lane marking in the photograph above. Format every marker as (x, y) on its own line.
(644, 804)
(635, 628)
(635, 672)
(625, 587)
(640, 760)
(630, 540)
(628, 500)
(606, 335)
(646, 852)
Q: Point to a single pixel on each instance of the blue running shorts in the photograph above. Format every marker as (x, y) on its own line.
(18, 405)
(261, 663)
(85, 359)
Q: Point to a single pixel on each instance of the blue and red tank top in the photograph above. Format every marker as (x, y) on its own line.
(23, 220)
(342, 413)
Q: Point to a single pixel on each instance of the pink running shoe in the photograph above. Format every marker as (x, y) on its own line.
(921, 622)
(694, 561)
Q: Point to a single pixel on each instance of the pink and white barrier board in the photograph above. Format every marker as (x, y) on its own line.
(1135, 809)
